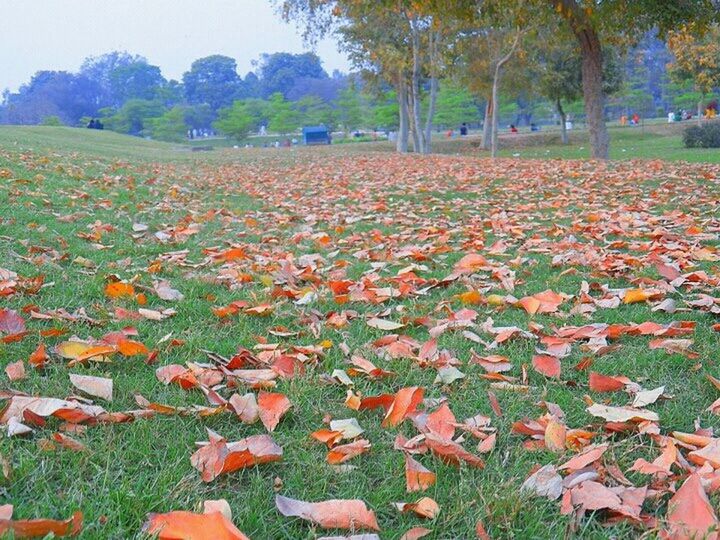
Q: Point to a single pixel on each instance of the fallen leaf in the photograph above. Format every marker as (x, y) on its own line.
(417, 477)
(94, 386)
(333, 514)
(272, 407)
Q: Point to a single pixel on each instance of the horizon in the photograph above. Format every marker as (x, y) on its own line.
(242, 30)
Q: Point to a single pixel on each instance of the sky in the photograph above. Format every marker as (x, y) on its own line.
(59, 34)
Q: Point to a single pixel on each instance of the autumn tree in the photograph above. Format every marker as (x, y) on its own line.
(595, 25)
(395, 40)
(697, 59)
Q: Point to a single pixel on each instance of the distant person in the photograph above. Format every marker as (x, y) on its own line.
(449, 133)
(534, 127)
(636, 118)
(463, 129)
(513, 129)
(671, 117)
(99, 125)
(678, 116)
(91, 124)
(623, 120)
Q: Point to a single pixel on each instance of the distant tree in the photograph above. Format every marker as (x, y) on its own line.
(135, 80)
(279, 72)
(697, 60)
(168, 127)
(350, 107)
(212, 80)
(51, 93)
(455, 105)
(171, 93)
(314, 111)
(51, 121)
(235, 121)
(133, 117)
(385, 111)
(251, 86)
(199, 116)
(284, 118)
(99, 69)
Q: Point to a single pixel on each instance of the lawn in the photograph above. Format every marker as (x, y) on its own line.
(292, 262)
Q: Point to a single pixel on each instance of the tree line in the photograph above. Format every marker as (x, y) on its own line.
(560, 48)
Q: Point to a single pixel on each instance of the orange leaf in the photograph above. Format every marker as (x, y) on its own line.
(118, 289)
(417, 477)
(272, 406)
(15, 371)
(333, 514)
(633, 296)
(128, 347)
(341, 454)
(39, 357)
(220, 457)
(38, 528)
(187, 525)
(404, 404)
(547, 365)
(690, 514)
(555, 435)
(605, 383)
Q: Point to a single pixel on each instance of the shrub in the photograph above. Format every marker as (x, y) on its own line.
(705, 136)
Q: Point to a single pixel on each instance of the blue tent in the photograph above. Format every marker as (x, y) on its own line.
(316, 135)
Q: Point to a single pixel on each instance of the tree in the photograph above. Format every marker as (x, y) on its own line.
(393, 40)
(279, 72)
(597, 24)
(283, 116)
(349, 107)
(235, 121)
(168, 127)
(99, 69)
(212, 80)
(51, 93)
(135, 80)
(51, 121)
(313, 110)
(132, 118)
(697, 60)
(455, 105)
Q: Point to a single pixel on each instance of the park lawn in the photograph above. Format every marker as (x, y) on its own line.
(367, 216)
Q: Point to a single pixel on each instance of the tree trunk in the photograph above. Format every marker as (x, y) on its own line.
(433, 48)
(563, 125)
(418, 133)
(430, 114)
(487, 125)
(592, 76)
(401, 144)
(496, 82)
(494, 138)
(592, 79)
(699, 114)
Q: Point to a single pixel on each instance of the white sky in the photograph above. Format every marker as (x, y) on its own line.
(59, 34)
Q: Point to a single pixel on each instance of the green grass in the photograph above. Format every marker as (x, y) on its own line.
(140, 467)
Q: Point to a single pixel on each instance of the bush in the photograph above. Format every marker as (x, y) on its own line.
(706, 136)
(51, 121)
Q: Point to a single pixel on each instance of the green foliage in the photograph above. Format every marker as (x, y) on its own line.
(385, 114)
(314, 111)
(168, 127)
(235, 121)
(132, 117)
(705, 136)
(51, 121)
(350, 108)
(284, 118)
(455, 105)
